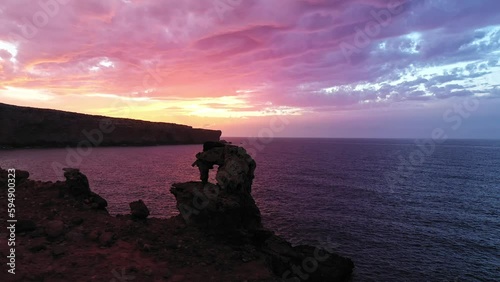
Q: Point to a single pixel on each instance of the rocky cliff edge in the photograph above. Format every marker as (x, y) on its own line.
(64, 233)
(32, 127)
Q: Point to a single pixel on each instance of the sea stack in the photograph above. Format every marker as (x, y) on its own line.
(227, 208)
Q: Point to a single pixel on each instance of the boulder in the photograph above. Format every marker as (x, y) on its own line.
(77, 183)
(139, 210)
(77, 186)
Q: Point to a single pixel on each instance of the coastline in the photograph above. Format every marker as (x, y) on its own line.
(63, 237)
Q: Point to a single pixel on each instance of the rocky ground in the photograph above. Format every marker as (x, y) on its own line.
(65, 239)
(64, 233)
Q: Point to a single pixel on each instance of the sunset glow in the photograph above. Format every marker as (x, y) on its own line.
(361, 68)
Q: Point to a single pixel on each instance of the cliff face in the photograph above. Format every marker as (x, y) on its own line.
(31, 127)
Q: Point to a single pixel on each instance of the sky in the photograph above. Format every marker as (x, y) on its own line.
(265, 68)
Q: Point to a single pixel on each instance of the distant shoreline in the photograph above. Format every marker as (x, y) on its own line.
(101, 146)
(24, 127)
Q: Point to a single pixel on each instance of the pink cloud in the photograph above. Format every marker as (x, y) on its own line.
(281, 54)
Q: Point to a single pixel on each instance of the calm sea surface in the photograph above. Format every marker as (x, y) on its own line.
(441, 222)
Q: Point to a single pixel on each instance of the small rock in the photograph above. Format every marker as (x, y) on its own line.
(139, 209)
(54, 228)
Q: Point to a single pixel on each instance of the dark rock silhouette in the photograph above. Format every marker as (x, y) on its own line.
(61, 238)
(204, 168)
(76, 182)
(77, 186)
(219, 211)
(227, 208)
(211, 144)
(139, 210)
(32, 127)
(59, 229)
(236, 166)
(227, 205)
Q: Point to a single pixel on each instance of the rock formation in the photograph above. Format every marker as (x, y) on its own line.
(139, 210)
(60, 237)
(227, 208)
(31, 127)
(77, 185)
(216, 210)
(227, 205)
(63, 235)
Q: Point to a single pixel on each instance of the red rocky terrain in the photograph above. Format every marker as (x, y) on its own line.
(64, 233)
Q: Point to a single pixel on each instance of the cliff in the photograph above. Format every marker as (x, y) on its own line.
(32, 127)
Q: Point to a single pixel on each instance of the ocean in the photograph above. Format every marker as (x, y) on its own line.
(401, 212)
